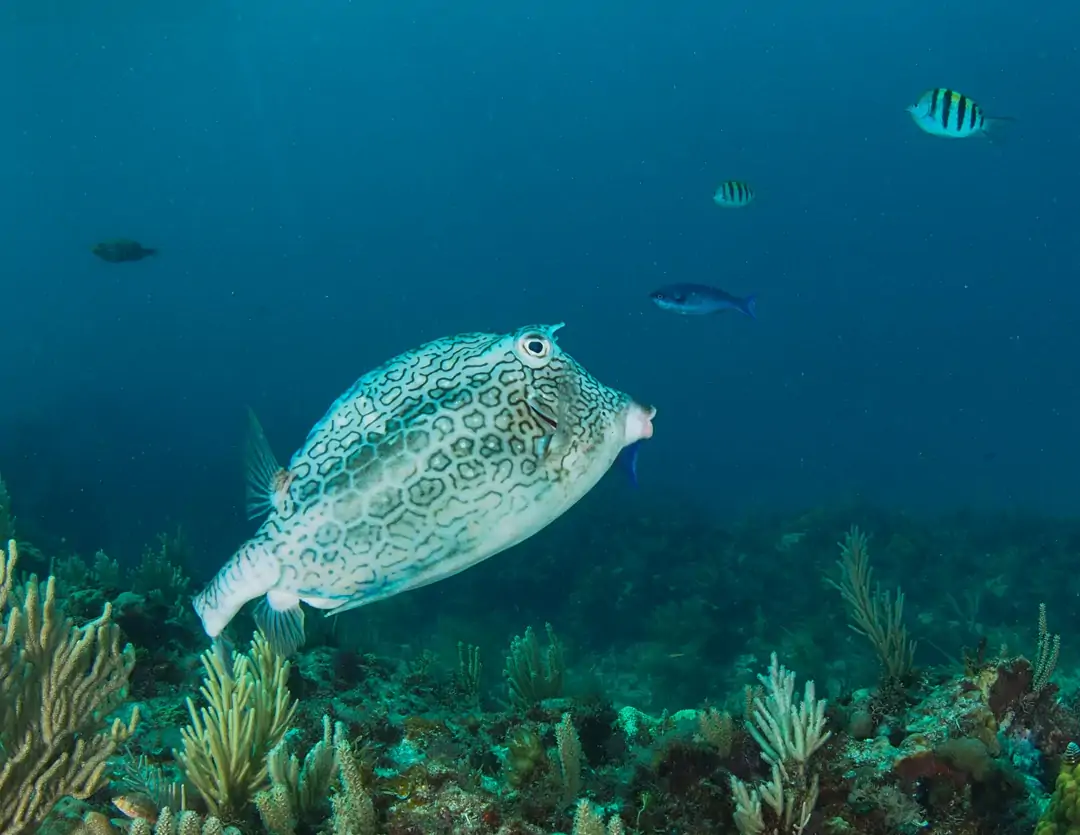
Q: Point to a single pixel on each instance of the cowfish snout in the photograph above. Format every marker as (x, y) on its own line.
(639, 420)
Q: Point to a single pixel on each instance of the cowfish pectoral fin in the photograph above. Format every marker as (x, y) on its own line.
(262, 470)
(281, 620)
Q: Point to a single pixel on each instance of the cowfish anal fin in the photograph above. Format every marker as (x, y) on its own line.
(262, 470)
(627, 462)
(281, 620)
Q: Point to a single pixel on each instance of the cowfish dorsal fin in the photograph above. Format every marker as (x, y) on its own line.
(263, 469)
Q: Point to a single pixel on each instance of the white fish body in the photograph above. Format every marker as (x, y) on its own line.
(431, 463)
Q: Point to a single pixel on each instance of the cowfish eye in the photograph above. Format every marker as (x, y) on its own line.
(534, 349)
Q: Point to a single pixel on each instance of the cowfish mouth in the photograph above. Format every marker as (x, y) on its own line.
(639, 422)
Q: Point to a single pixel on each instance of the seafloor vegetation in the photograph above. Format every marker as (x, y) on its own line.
(660, 697)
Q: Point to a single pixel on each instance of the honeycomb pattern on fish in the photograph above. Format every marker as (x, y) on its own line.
(428, 464)
(424, 452)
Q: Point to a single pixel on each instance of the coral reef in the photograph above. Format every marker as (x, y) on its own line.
(672, 724)
(57, 683)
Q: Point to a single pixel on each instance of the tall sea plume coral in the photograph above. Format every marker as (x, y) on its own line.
(789, 734)
(58, 683)
(872, 611)
(248, 710)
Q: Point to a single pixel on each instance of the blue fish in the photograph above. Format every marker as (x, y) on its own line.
(627, 462)
(701, 299)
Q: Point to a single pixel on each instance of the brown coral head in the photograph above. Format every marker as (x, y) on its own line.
(926, 766)
(684, 765)
(1012, 684)
(421, 728)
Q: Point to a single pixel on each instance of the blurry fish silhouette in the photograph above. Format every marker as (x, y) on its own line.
(733, 194)
(121, 249)
(701, 300)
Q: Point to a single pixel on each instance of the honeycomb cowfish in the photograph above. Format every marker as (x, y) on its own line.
(120, 250)
(442, 457)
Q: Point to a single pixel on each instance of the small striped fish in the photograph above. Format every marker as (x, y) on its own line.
(953, 115)
(733, 195)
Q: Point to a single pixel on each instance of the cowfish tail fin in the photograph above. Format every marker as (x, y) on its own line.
(148, 251)
(281, 620)
(627, 462)
(262, 470)
(749, 306)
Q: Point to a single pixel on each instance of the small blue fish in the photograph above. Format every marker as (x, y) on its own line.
(627, 462)
(701, 299)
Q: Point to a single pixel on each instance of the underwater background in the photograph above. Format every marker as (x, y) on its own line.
(329, 184)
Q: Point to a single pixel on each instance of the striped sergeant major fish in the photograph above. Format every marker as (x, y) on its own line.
(734, 194)
(943, 112)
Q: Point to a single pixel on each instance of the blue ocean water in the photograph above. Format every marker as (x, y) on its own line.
(333, 183)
